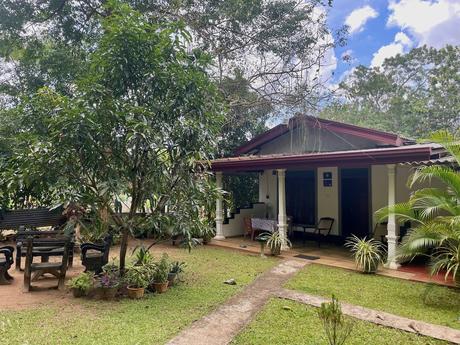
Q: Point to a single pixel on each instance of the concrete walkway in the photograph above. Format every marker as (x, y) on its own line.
(378, 317)
(222, 325)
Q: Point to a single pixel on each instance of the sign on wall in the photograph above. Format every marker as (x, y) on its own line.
(327, 179)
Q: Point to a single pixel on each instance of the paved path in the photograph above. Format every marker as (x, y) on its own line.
(379, 317)
(222, 325)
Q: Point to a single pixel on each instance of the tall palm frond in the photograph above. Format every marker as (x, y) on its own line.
(434, 213)
(403, 211)
(445, 174)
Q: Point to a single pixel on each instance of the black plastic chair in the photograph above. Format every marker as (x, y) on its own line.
(5, 263)
(95, 256)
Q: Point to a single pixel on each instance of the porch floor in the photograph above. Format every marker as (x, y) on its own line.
(333, 255)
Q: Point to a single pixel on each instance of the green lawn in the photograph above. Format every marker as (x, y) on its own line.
(284, 322)
(153, 320)
(427, 302)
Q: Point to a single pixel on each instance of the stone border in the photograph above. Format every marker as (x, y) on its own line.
(378, 317)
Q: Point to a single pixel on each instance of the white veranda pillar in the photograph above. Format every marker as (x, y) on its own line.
(219, 210)
(392, 236)
(282, 224)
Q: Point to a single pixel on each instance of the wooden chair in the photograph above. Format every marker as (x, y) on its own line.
(323, 228)
(33, 271)
(5, 263)
(43, 252)
(248, 229)
(95, 256)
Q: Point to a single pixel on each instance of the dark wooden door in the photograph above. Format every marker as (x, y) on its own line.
(301, 196)
(354, 195)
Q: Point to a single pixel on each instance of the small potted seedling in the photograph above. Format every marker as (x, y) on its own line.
(81, 284)
(137, 278)
(160, 274)
(176, 268)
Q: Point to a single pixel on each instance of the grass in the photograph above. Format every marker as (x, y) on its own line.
(286, 322)
(426, 302)
(152, 320)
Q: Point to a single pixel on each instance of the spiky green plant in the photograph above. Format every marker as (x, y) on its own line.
(434, 213)
(336, 327)
(368, 253)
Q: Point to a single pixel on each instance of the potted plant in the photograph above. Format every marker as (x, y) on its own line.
(137, 278)
(109, 281)
(207, 234)
(274, 241)
(160, 274)
(176, 268)
(81, 284)
(368, 253)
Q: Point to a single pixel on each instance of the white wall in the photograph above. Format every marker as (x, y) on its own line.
(235, 226)
(268, 193)
(328, 198)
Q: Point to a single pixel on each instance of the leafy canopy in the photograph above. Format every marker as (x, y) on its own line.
(139, 122)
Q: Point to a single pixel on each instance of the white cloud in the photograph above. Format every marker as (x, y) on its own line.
(400, 45)
(359, 17)
(433, 22)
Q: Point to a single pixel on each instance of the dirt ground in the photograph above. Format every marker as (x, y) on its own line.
(12, 296)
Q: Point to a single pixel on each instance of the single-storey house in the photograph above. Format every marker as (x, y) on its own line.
(311, 168)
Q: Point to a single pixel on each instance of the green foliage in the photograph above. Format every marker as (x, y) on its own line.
(335, 326)
(177, 267)
(138, 276)
(142, 256)
(433, 212)
(84, 281)
(412, 94)
(368, 253)
(274, 241)
(162, 268)
(141, 122)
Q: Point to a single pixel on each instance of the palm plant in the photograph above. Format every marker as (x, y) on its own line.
(433, 212)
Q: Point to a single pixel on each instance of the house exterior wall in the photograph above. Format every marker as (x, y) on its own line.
(328, 198)
(310, 139)
(268, 193)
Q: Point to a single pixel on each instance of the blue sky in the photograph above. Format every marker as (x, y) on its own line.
(383, 28)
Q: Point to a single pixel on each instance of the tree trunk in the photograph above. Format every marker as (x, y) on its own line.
(123, 248)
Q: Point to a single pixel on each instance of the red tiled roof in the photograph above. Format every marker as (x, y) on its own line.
(389, 155)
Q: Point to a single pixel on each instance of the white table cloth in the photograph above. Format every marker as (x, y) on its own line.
(269, 225)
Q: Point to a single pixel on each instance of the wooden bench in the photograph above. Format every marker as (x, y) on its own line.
(31, 218)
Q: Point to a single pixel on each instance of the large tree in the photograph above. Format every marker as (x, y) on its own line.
(141, 120)
(273, 51)
(412, 94)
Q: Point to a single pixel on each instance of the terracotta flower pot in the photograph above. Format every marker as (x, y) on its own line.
(135, 293)
(161, 287)
(172, 278)
(109, 293)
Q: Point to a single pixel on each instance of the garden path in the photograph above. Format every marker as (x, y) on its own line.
(223, 324)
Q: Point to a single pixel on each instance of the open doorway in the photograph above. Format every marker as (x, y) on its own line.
(354, 201)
